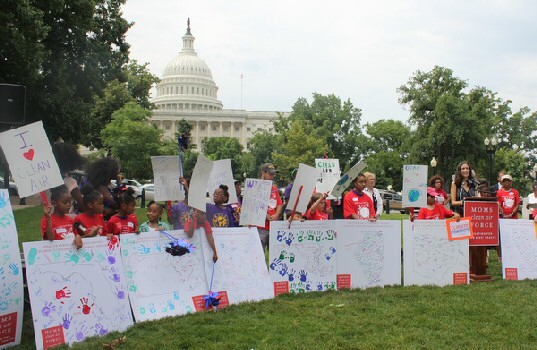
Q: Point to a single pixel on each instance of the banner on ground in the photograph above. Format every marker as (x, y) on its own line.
(519, 249)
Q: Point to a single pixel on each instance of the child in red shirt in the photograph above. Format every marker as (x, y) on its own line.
(434, 210)
(198, 220)
(56, 223)
(125, 221)
(317, 209)
(91, 222)
(509, 198)
(358, 204)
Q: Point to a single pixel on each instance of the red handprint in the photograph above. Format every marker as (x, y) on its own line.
(63, 293)
(114, 242)
(85, 307)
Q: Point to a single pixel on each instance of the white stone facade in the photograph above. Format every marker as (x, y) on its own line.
(187, 91)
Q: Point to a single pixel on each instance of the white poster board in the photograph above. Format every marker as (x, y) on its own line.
(330, 175)
(241, 269)
(370, 252)
(30, 159)
(519, 249)
(222, 174)
(160, 284)
(166, 175)
(306, 178)
(305, 255)
(11, 284)
(414, 186)
(430, 258)
(346, 179)
(197, 190)
(75, 294)
(255, 202)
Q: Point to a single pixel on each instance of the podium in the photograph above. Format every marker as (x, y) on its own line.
(485, 214)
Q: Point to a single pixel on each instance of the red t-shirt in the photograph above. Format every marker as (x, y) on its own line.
(119, 225)
(90, 221)
(207, 226)
(361, 204)
(508, 201)
(438, 213)
(317, 215)
(441, 196)
(62, 226)
(274, 201)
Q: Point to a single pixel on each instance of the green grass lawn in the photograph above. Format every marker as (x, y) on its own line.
(497, 314)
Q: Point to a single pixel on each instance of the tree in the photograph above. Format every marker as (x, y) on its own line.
(337, 123)
(216, 148)
(262, 145)
(386, 149)
(64, 52)
(133, 140)
(302, 146)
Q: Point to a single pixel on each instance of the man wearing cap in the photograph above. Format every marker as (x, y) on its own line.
(509, 198)
(274, 212)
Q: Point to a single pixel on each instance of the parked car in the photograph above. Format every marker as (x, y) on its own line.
(394, 200)
(149, 192)
(12, 189)
(129, 183)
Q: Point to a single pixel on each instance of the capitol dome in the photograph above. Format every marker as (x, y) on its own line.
(187, 82)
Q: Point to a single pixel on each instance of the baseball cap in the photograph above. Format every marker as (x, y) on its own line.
(269, 168)
(506, 177)
(431, 192)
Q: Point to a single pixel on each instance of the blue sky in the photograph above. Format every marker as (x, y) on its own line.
(358, 50)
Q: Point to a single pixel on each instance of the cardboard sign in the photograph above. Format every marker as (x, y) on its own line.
(484, 217)
(255, 202)
(346, 179)
(330, 175)
(459, 229)
(222, 174)
(197, 194)
(281, 287)
(414, 186)
(460, 278)
(30, 159)
(344, 281)
(166, 174)
(305, 178)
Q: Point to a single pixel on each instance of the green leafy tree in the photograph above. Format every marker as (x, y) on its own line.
(216, 148)
(133, 140)
(262, 145)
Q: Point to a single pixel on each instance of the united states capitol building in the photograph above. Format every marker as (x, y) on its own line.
(187, 91)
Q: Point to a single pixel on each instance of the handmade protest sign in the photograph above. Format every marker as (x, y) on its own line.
(255, 202)
(519, 249)
(222, 174)
(306, 178)
(330, 175)
(346, 179)
(369, 252)
(430, 258)
(197, 191)
(11, 284)
(459, 229)
(305, 255)
(75, 294)
(30, 159)
(414, 185)
(160, 284)
(485, 228)
(166, 175)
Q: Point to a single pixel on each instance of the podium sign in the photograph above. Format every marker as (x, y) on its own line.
(485, 215)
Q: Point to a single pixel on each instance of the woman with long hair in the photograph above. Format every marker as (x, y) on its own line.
(464, 186)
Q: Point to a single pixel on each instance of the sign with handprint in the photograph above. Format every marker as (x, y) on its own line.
(166, 175)
(11, 285)
(83, 291)
(30, 159)
(305, 255)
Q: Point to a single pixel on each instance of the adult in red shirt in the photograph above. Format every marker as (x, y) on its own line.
(357, 204)
(275, 207)
(509, 198)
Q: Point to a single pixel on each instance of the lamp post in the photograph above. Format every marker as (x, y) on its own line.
(433, 164)
(490, 145)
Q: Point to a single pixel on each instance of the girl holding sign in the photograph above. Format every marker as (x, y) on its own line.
(91, 222)
(434, 210)
(317, 208)
(220, 214)
(56, 223)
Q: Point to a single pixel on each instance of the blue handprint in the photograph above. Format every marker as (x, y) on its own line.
(275, 263)
(171, 305)
(290, 238)
(176, 295)
(308, 286)
(303, 276)
(48, 309)
(111, 259)
(279, 236)
(2, 201)
(67, 321)
(331, 252)
(31, 256)
(99, 328)
(115, 275)
(291, 275)
(81, 334)
(72, 257)
(120, 293)
(320, 286)
(143, 249)
(283, 270)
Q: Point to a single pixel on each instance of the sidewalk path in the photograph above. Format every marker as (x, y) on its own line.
(31, 201)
